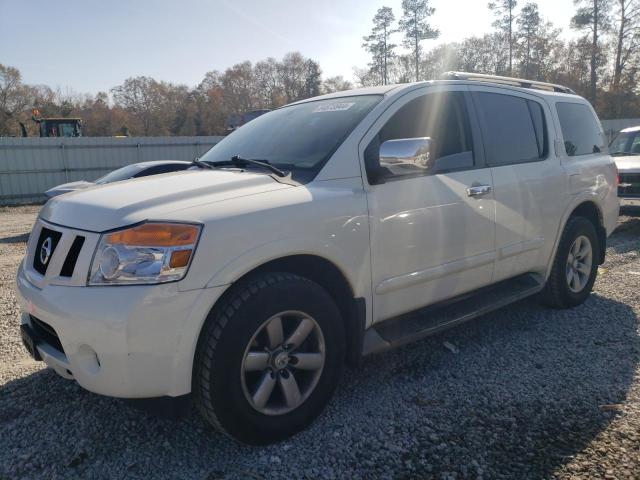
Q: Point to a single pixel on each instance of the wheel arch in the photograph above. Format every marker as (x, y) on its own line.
(590, 210)
(330, 277)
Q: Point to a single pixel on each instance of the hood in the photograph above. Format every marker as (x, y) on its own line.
(68, 187)
(629, 163)
(155, 197)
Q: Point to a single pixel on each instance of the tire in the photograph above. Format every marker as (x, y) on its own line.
(239, 331)
(559, 291)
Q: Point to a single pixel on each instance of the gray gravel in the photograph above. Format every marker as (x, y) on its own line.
(526, 392)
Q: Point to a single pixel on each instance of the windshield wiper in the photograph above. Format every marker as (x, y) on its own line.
(621, 154)
(199, 163)
(239, 161)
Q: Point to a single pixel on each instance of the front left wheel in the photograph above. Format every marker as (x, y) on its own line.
(269, 358)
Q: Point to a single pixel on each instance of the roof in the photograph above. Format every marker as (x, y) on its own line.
(457, 78)
(630, 129)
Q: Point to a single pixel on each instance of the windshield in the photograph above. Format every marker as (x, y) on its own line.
(120, 174)
(299, 138)
(626, 143)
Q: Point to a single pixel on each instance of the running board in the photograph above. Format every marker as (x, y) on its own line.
(434, 318)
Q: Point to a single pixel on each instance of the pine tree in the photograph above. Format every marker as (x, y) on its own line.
(415, 26)
(529, 23)
(504, 10)
(592, 16)
(378, 43)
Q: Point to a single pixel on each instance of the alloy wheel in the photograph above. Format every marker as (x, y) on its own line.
(282, 363)
(579, 262)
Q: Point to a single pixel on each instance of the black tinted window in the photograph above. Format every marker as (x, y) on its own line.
(164, 168)
(540, 127)
(579, 128)
(512, 127)
(123, 173)
(440, 116)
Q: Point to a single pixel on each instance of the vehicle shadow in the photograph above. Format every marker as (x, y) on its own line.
(513, 394)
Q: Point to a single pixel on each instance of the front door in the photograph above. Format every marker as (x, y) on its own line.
(432, 232)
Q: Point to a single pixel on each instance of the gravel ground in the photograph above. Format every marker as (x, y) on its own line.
(526, 392)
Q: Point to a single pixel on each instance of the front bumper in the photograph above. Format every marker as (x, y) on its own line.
(121, 341)
(629, 201)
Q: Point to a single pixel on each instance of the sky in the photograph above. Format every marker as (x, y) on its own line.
(93, 45)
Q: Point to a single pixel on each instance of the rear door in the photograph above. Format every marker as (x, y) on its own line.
(529, 181)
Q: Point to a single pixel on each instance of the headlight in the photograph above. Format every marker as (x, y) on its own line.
(147, 253)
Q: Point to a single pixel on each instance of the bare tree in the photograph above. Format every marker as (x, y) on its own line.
(335, 84)
(14, 97)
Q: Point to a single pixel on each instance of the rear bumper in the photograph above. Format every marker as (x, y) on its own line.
(128, 342)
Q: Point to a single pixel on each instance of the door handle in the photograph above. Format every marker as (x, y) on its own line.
(479, 190)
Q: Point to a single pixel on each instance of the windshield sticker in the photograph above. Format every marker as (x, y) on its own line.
(334, 107)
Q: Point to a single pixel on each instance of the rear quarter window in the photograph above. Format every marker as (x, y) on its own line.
(580, 129)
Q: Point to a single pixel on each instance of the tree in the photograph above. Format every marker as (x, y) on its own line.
(138, 95)
(548, 53)
(592, 16)
(415, 27)
(529, 23)
(378, 43)
(504, 11)
(628, 37)
(312, 79)
(14, 98)
(482, 54)
(442, 58)
(335, 84)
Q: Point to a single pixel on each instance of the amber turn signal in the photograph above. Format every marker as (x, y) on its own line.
(156, 235)
(180, 258)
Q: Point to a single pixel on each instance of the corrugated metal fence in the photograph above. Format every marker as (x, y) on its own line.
(29, 166)
(611, 127)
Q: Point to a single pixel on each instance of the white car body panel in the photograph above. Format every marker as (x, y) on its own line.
(400, 245)
(626, 165)
(413, 261)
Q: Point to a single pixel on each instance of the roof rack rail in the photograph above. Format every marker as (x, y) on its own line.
(514, 82)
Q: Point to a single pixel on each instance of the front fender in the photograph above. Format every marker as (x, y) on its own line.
(356, 273)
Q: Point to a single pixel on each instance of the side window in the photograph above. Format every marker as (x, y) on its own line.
(440, 116)
(579, 128)
(513, 128)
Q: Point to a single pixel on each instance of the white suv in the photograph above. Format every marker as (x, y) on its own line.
(314, 235)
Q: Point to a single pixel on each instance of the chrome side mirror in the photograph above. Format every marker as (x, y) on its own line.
(415, 152)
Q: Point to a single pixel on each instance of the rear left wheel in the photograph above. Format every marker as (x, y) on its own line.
(575, 266)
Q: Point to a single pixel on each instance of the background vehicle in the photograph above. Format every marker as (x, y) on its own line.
(332, 228)
(135, 170)
(55, 127)
(625, 147)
